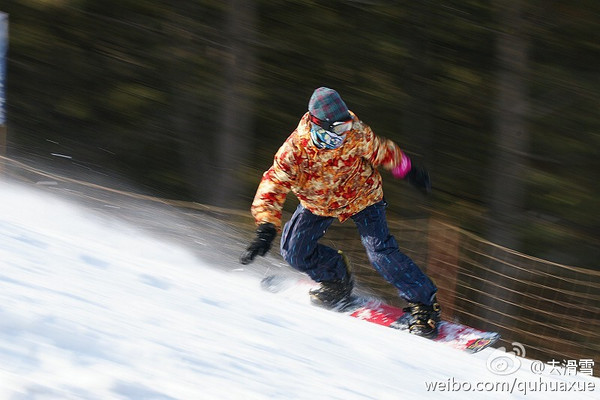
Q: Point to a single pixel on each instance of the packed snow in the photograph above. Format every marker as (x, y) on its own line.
(91, 308)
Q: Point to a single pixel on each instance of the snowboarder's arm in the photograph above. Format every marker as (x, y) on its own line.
(276, 183)
(385, 153)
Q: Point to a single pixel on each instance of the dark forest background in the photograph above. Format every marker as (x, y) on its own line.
(190, 100)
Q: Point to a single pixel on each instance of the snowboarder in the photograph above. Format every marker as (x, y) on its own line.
(330, 163)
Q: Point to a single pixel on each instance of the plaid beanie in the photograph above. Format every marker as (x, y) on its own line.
(327, 105)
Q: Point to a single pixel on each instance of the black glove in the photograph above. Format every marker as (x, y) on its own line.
(265, 233)
(419, 178)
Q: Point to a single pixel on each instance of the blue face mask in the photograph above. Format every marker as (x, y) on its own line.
(325, 139)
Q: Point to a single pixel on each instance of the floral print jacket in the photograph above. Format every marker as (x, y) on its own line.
(334, 183)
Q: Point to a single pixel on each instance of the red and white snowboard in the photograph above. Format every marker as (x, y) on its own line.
(452, 334)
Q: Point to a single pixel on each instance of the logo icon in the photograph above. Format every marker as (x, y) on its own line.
(503, 362)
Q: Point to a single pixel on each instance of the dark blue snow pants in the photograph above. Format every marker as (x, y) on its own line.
(300, 248)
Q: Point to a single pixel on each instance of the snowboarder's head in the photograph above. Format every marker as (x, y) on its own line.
(329, 117)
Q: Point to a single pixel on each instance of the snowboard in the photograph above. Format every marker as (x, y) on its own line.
(455, 335)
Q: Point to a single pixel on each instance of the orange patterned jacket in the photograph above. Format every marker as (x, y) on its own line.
(334, 183)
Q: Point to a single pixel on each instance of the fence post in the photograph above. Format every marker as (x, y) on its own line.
(442, 263)
(2, 142)
(3, 51)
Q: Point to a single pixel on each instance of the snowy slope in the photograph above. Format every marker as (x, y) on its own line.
(92, 309)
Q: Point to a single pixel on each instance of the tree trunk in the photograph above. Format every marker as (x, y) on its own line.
(417, 123)
(510, 126)
(507, 174)
(235, 123)
(186, 114)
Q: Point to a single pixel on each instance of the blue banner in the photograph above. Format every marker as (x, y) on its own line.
(3, 51)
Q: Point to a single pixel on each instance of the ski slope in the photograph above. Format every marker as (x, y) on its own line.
(93, 309)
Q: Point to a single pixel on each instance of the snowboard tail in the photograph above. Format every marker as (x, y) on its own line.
(458, 336)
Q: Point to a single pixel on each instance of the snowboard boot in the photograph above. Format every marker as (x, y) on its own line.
(336, 293)
(424, 319)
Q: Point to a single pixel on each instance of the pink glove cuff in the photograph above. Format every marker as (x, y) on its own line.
(400, 170)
